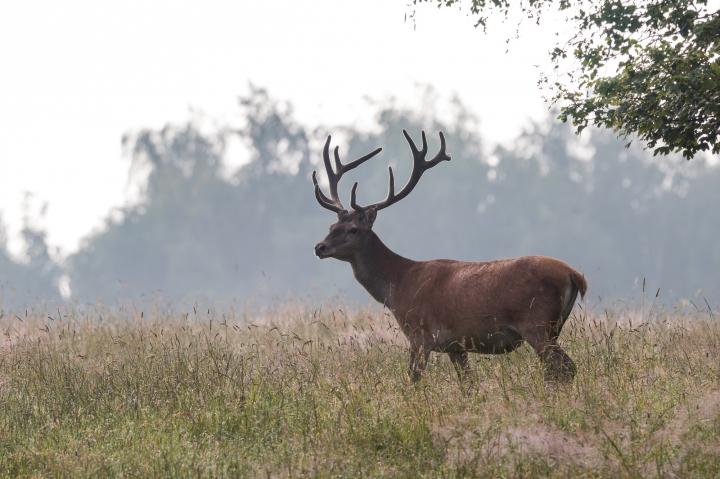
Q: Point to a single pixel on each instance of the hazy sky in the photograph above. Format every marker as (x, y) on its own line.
(77, 74)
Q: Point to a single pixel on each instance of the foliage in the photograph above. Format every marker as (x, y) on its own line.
(649, 68)
(303, 393)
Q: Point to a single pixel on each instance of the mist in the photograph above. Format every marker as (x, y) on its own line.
(641, 229)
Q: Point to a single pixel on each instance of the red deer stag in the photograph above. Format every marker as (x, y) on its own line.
(450, 306)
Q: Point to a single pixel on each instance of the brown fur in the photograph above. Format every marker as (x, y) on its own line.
(459, 307)
(451, 306)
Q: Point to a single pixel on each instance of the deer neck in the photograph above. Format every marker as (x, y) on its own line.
(379, 269)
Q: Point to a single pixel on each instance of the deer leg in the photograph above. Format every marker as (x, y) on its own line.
(459, 359)
(561, 367)
(418, 360)
(558, 365)
(541, 329)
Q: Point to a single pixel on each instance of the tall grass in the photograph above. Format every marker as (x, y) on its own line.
(301, 392)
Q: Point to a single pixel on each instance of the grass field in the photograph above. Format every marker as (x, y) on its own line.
(324, 393)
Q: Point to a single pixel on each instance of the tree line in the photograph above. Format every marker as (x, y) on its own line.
(627, 220)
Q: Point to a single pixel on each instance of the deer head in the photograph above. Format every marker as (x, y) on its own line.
(353, 228)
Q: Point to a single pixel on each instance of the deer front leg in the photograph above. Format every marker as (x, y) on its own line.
(460, 361)
(418, 360)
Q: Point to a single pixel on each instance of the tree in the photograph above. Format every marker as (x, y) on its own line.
(32, 279)
(649, 69)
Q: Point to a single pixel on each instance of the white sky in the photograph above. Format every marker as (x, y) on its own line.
(75, 75)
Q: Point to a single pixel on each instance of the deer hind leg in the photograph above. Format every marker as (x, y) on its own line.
(558, 365)
(418, 360)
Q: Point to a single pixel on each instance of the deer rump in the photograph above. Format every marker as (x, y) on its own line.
(486, 307)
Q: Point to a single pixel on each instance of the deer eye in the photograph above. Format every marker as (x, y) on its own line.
(352, 230)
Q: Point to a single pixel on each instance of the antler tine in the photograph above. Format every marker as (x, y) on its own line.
(419, 167)
(354, 205)
(441, 155)
(324, 201)
(413, 148)
(391, 192)
(333, 203)
(332, 177)
(338, 164)
(391, 188)
(361, 160)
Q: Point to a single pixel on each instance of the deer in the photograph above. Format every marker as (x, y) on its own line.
(448, 306)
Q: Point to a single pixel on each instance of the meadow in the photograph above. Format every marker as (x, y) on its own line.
(298, 391)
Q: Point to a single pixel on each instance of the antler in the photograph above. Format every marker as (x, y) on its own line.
(419, 167)
(333, 203)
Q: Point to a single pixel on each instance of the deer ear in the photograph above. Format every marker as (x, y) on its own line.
(370, 214)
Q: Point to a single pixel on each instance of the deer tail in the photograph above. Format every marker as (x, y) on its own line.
(578, 280)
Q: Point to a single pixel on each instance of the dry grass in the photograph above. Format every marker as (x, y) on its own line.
(300, 392)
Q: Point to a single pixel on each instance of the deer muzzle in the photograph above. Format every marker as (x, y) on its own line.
(321, 250)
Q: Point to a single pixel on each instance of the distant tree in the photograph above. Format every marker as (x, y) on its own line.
(161, 244)
(200, 232)
(649, 68)
(33, 279)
